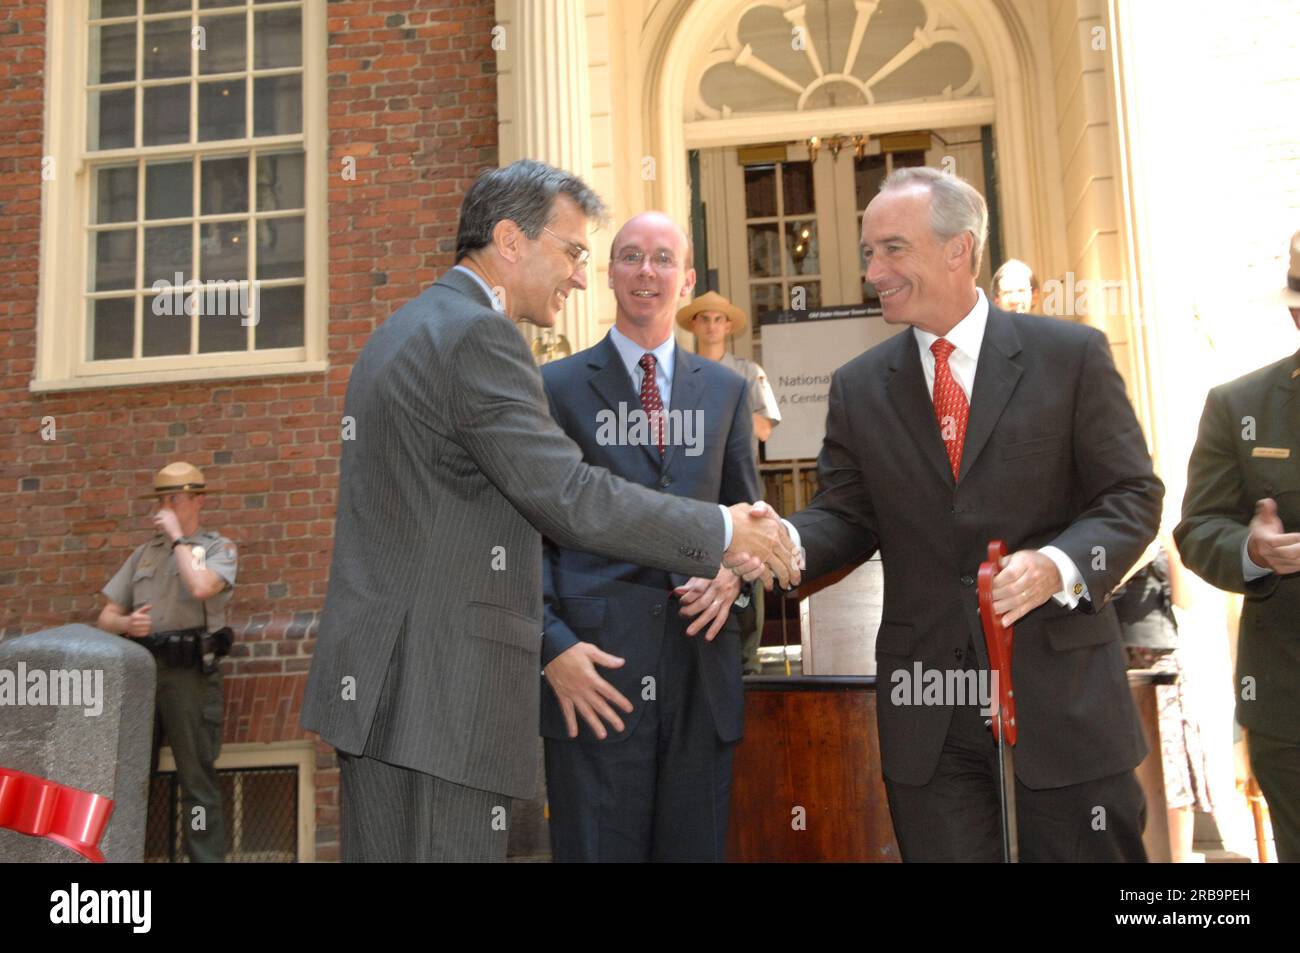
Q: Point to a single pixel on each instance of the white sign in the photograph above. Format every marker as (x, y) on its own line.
(801, 350)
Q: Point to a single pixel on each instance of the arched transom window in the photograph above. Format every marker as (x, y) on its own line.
(786, 55)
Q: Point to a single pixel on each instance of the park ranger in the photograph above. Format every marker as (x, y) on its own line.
(172, 595)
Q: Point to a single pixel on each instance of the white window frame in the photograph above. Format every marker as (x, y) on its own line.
(299, 755)
(60, 327)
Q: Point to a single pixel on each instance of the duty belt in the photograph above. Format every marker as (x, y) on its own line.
(178, 648)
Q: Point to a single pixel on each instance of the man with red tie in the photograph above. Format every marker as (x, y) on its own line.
(978, 424)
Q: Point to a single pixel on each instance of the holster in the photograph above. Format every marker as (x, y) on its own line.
(214, 647)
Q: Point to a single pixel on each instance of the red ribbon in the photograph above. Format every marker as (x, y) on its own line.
(40, 808)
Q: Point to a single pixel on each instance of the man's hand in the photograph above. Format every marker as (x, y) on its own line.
(165, 522)
(708, 600)
(138, 623)
(1027, 580)
(757, 533)
(573, 677)
(1270, 546)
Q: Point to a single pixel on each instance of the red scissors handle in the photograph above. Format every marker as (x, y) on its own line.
(997, 639)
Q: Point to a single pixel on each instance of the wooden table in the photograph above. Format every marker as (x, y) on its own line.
(807, 784)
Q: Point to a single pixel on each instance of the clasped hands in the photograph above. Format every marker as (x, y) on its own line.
(761, 548)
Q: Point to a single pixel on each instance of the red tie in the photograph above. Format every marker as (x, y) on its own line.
(651, 402)
(950, 406)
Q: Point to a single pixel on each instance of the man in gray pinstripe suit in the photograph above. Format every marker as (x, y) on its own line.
(425, 675)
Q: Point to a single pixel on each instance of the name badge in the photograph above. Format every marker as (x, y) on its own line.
(1272, 453)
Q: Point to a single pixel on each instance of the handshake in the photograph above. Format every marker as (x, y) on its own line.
(761, 548)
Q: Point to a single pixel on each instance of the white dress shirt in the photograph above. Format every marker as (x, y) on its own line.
(496, 302)
(665, 358)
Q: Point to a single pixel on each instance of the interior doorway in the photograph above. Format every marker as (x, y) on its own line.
(782, 221)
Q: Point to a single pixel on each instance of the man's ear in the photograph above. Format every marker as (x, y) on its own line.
(507, 239)
(957, 253)
(689, 288)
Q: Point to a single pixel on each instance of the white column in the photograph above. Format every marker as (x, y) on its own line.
(551, 114)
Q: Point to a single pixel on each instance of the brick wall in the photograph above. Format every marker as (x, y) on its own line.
(412, 99)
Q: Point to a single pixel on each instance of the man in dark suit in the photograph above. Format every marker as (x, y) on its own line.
(658, 786)
(1241, 532)
(977, 424)
(425, 670)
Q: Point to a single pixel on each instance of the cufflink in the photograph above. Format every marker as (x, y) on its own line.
(1078, 588)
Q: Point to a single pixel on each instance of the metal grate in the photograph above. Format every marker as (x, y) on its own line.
(261, 813)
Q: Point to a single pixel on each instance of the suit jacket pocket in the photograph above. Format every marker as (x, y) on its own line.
(499, 624)
(583, 612)
(1028, 448)
(1079, 630)
(895, 638)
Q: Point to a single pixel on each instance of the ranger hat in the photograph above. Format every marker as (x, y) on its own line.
(712, 301)
(178, 477)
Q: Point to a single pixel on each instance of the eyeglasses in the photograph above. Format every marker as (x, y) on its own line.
(577, 254)
(633, 257)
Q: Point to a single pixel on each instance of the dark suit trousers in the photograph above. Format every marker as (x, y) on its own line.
(956, 815)
(661, 793)
(391, 814)
(1276, 766)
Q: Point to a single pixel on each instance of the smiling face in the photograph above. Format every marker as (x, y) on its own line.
(547, 269)
(649, 272)
(922, 279)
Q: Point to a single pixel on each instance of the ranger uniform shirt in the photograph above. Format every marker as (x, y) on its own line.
(151, 577)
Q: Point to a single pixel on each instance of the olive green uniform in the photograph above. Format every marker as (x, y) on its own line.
(189, 703)
(1247, 449)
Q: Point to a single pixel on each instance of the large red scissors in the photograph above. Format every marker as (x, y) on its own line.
(997, 639)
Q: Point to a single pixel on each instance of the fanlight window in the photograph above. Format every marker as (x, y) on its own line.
(783, 55)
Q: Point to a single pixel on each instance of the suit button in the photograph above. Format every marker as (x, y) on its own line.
(968, 580)
(665, 481)
(658, 610)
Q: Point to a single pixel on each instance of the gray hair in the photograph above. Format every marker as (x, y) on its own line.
(1008, 266)
(955, 206)
(523, 192)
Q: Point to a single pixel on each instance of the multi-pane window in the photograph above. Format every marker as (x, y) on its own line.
(196, 218)
(781, 235)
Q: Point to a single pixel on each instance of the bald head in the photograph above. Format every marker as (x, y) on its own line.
(651, 275)
(657, 220)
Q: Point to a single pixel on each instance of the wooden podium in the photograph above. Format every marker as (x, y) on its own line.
(807, 785)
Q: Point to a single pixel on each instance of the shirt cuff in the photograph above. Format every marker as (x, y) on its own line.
(1073, 587)
(726, 523)
(1249, 570)
(800, 555)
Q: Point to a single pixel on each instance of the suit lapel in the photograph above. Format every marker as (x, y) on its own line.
(996, 375)
(911, 399)
(687, 390)
(611, 381)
